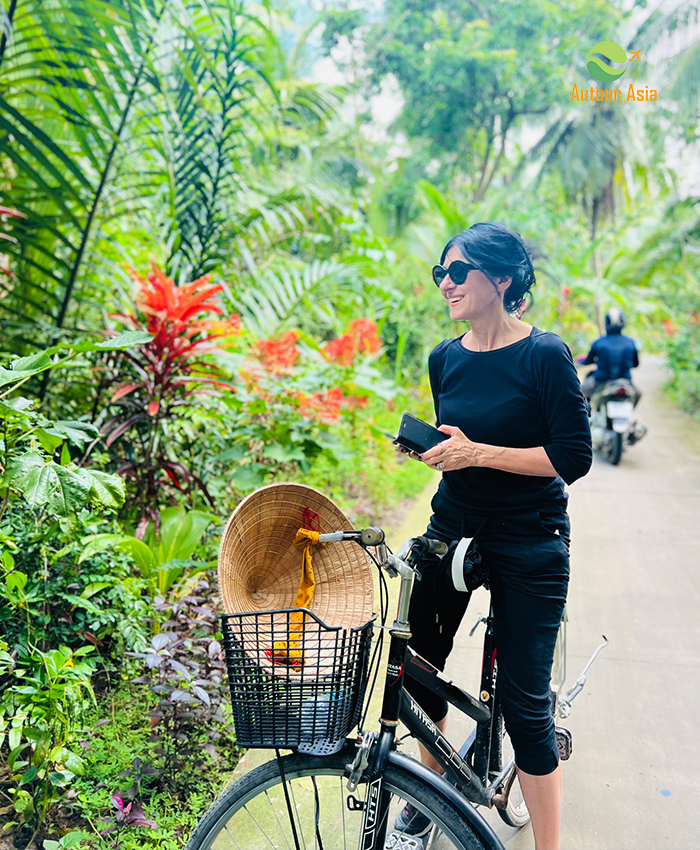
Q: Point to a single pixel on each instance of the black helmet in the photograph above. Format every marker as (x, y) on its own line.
(614, 320)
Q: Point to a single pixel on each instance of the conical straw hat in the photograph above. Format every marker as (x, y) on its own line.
(260, 567)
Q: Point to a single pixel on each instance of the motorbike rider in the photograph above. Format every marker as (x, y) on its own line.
(613, 354)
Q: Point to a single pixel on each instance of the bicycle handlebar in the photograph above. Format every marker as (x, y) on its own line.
(371, 536)
(435, 547)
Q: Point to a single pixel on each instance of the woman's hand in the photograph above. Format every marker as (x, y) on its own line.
(401, 450)
(458, 452)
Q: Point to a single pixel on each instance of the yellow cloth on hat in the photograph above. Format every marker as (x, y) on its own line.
(285, 651)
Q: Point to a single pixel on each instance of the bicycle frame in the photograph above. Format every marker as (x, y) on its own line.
(399, 705)
(473, 769)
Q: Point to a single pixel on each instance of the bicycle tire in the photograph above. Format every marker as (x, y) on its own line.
(255, 808)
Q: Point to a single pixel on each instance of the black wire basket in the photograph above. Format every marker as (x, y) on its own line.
(295, 682)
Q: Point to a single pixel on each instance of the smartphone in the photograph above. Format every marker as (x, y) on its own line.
(417, 436)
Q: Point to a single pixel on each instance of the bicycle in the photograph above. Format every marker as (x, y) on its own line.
(336, 792)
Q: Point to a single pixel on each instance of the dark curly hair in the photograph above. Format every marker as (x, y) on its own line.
(497, 252)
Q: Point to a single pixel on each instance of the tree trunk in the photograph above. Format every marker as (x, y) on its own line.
(484, 186)
(595, 212)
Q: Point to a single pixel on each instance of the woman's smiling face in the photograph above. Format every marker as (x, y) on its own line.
(476, 297)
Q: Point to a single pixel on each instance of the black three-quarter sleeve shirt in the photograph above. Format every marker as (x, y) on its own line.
(524, 395)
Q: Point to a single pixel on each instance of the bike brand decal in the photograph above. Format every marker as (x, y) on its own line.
(453, 757)
(423, 717)
(371, 813)
(394, 670)
(417, 661)
(441, 743)
(484, 696)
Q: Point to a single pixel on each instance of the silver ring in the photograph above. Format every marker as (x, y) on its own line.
(442, 449)
(440, 466)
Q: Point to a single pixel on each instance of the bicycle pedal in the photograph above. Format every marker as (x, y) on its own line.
(565, 742)
(401, 841)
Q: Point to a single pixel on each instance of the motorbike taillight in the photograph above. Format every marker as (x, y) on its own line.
(621, 393)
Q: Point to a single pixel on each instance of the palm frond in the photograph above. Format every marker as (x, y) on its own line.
(68, 83)
(207, 94)
(318, 296)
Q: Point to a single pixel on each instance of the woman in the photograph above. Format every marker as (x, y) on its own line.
(509, 398)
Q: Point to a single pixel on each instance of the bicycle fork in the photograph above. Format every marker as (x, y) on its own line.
(376, 815)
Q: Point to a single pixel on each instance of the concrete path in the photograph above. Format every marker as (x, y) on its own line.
(632, 781)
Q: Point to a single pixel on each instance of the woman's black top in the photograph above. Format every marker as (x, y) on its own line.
(524, 395)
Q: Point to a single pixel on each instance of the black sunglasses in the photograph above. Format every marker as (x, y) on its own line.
(458, 271)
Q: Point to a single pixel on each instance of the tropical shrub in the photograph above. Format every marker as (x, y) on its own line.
(683, 349)
(294, 401)
(185, 666)
(45, 681)
(42, 698)
(31, 441)
(163, 555)
(154, 385)
(51, 595)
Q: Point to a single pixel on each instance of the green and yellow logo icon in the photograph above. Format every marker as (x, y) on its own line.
(600, 59)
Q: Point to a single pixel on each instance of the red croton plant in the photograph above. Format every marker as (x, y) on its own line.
(157, 380)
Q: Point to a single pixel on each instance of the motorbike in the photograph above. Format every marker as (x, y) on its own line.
(614, 426)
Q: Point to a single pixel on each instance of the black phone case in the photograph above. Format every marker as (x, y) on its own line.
(418, 436)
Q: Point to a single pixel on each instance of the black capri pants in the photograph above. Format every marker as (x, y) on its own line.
(527, 557)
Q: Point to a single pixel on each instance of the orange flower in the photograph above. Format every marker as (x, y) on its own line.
(279, 355)
(356, 402)
(361, 336)
(170, 311)
(341, 350)
(364, 331)
(324, 406)
(669, 326)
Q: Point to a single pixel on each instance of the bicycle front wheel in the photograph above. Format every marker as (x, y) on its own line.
(255, 812)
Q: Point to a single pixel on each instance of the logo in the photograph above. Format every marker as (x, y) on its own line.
(599, 61)
(600, 58)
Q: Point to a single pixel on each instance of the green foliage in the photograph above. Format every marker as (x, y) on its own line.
(47, 594)
(320, 296)
(683, 348)
(65, 61)
(467, 71)
(162, 557)
(69, 841)
(207, 95)
(117, 734)
(42, 695)
(30, 439)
